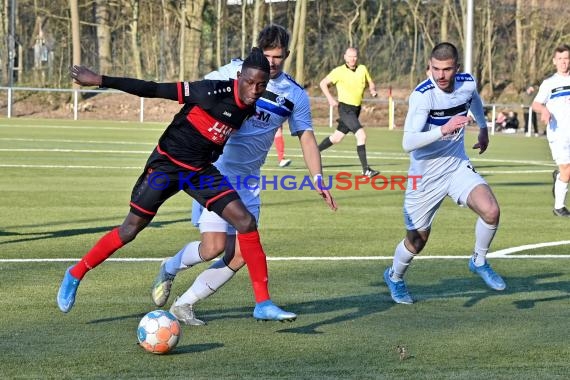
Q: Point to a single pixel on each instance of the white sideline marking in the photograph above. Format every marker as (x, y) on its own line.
(77, 141)
(59, 150)
(526, 247)
(32, 126)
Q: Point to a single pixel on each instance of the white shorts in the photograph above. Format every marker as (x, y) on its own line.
(209, 221)
(421, 204)
(559, 147)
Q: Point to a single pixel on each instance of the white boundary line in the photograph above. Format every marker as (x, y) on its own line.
(501, 254)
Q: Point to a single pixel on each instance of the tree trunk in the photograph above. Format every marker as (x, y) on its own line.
(300, 61)
(102, 15)
(258, 16)
(444, 26)
(489, 42)
(193, 46)
(135, 48)
(220, 21)
(182, 41)
(243, 28)
(168, 61)
(414, 44)
(75, 34)
(518, 74)
(294, 37)
(535, 30)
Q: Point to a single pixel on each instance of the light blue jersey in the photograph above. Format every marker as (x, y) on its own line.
(246, 150)
(283, 101)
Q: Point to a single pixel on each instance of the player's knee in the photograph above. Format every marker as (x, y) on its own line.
(211, 250)
(128, 231)
(335, 139)
(246, 224)
(492, 215)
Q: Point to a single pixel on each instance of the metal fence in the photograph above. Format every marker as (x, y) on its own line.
(390, 111)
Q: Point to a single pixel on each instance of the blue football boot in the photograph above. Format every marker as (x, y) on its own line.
(67, 290)
(268, 311)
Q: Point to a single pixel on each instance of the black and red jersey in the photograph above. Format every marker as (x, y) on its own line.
(198, 132)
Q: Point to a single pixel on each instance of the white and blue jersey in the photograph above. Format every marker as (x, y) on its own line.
(554, 93)
(442, 166)
(429, 108)
(245, 152)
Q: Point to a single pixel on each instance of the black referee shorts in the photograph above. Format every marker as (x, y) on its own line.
(348, 118)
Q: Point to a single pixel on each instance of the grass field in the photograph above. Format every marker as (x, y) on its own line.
(66, 183)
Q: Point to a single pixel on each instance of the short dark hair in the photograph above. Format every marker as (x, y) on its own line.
(273, 36)
(256, 60)
(444, 51)
(562, 48)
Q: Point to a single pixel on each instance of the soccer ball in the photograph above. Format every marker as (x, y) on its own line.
(158, 332)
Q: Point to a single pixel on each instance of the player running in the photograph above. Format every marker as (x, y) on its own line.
(434, 135)
(211, 111)
(244, 154)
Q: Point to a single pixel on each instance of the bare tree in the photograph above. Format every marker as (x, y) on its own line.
(192, 42)
(134, 40)
(75, 33)
(102, 19)
(294, 36)
(300, 46)
(518, 74)
(258, 15)
(220, 21)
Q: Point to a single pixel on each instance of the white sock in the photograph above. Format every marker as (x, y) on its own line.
(402, 259)
(185, 258)
(484, 234)
(207, 283)
(560, 189)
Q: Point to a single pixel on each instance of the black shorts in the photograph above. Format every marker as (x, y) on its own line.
(348, 118)
(161, 179)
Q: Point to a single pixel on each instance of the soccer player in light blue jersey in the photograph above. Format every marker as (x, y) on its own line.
(434, 136)
(243, 156)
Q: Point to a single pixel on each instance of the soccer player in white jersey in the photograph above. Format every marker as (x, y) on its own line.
(553, 103)
(434, 136)
(243, 156)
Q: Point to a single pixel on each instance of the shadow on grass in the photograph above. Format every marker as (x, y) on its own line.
(474, 288)
(354, 307)
(32, 236)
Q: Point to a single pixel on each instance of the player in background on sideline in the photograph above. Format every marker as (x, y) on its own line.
(434, 133)
(243, 156)
(211, 111)
(350, 80)
(552, 102)
(279, 143)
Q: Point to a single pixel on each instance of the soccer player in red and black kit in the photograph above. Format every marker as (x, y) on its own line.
(182, 160)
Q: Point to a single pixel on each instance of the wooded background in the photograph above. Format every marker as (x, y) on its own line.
(166, 40)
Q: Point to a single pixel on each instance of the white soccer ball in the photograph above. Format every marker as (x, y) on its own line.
(159, 332)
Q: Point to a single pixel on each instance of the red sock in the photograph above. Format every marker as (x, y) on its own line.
(254, 257)
(279, 146)
(104, 248)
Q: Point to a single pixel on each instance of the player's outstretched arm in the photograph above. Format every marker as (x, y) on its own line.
(145, 89)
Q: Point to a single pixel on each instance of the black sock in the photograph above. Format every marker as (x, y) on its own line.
(361, 150)
(326, 143)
